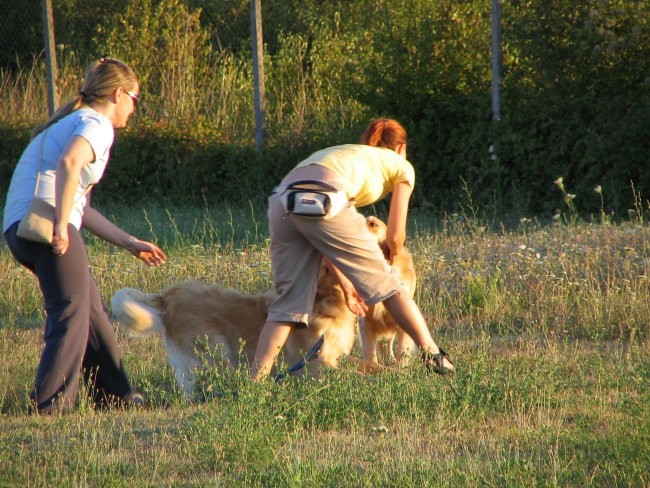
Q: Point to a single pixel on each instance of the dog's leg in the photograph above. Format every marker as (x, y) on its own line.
(363, 366)
(406, 348)
(368, 341)
(183, 365)
(386, 347)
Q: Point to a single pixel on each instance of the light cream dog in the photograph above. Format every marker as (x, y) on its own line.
(378, 330)
(190, 315)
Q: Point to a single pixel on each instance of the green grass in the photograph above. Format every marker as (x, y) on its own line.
(548, 327)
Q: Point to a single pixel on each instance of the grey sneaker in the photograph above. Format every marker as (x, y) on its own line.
(133, 400)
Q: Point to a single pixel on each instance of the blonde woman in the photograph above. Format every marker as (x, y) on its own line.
(72, 150)
(307, 228)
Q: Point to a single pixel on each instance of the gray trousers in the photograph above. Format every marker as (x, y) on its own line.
(79, 336)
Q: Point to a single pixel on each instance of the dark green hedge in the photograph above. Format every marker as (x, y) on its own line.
(600, 144)
(185, 166)
(13, 139)
(575, 94)
(152, 161)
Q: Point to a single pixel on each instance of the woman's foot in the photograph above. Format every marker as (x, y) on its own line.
(132, 400)
(438, 363)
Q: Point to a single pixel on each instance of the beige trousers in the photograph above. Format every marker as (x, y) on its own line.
(297, 247)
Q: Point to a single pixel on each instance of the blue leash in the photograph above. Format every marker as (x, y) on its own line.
(313, 353)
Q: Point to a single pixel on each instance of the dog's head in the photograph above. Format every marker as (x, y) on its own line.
(330, 300)
(377, 227)
(328, 286)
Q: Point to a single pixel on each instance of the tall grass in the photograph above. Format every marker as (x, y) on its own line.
(215, 92)
(26, 88)
(548, 327)
(25, 92)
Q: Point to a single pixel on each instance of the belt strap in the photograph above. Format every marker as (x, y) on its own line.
(304, 185)
(298, 185)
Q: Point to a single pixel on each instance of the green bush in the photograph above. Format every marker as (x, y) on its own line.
(192, 165)
(13, 140)
(576, 100)
(575, 96)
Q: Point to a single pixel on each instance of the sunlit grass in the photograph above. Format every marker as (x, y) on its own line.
(219, 96)
(548, 327)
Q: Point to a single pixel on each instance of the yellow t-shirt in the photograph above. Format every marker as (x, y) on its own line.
(368, 173)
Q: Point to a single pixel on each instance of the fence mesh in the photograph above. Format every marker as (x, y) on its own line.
(80, 27)
(169, 43)
(21, 33)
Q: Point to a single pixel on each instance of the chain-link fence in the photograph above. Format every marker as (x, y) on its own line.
(84, 27)
(21, 32)
(173, 45)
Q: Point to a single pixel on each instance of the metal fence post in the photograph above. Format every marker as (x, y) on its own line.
(50, 56)
(258, 74)
(496, 59)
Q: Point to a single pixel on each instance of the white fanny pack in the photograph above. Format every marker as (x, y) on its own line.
(310, 198)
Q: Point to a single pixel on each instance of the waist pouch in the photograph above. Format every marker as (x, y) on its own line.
(313, 199)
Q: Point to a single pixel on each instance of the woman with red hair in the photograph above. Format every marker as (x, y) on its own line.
(313, 217)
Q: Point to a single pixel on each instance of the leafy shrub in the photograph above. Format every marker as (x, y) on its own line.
(575, 96)
(192, 165)
(14, 139)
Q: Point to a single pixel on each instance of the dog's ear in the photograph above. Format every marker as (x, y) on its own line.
(323, 270)
(374, 224)
(376, 227)
(385, 249)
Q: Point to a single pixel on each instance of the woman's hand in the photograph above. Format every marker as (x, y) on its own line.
(354, 302)
(60, 239)
(151, 254)
(103, 228)
(352, 299)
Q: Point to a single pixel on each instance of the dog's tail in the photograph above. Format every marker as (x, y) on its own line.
(137, 311)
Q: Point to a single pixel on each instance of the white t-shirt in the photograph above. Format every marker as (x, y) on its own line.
(96, 128)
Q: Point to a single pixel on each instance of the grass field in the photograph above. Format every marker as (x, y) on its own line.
(547, 325)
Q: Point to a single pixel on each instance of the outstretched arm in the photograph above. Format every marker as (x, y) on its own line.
(103, 228)
(397, 216)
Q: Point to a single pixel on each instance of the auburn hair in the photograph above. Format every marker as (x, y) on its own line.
(387, 133)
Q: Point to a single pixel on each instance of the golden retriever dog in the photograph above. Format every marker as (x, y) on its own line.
(378, 330)
(190, 315)
(330, 317)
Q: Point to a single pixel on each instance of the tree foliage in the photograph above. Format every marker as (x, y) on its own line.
(574, 89)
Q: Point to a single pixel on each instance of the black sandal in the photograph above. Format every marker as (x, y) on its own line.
(434, 362)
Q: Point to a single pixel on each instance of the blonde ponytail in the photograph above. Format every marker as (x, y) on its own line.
(102, 78)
